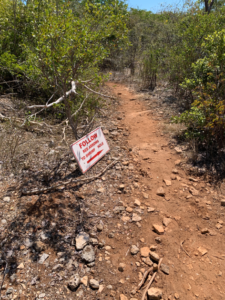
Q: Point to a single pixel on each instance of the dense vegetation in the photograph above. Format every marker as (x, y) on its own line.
(45, 45)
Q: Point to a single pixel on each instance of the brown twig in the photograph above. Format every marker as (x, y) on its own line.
(181, 245)
(144, 278)
(151, 280)
(6, 265)
(39, 191)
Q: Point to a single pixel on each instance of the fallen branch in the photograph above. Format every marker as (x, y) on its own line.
(6, 265)
(181, 245)
(144, 278)
(151, 280)
(39, 191)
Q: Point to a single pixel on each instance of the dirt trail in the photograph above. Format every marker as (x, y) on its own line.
(192, 209)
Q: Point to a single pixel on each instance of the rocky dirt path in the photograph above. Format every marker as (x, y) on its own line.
(96, 240)
(181, 216)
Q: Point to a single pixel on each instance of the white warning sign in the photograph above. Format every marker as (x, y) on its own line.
(89, 149)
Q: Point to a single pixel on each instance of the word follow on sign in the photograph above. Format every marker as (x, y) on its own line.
(90, 149)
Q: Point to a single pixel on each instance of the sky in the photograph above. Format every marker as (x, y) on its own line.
(153, 5)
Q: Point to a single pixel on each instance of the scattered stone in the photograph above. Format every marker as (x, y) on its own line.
(137, 202)
(193, 179)
(21, 266)
(160, 192)
(99, 227)
(147, 261)
(223, 202)
(173, 177)
(166, 221)
(111, 235)
(4, 221)
(136, 218)
(202, 251)
(176, 296)
(129, 209)
(82, 240)
(134, 249)
(74, 282)
(39, 246)
(42, 295)
(123, 297)
(158, 228)
(9, 291)
(125, 219)
(165, 269)
(43, 257)
(205, 230)
(158, 240)
(145, 195)
(219, 226)
(153, 248)
(154, 256)
(175, 171)
(101, 190)
(57, 267)
(193, 191)
(118, 209)
(84, 280)
(88, 254)
(145, 251)
(121, 267)
(94, 284)
(177, 162)
(109, 287)
(101, 288)
(6, 199)
(167, 182)
(154, 293)
(178, 149)
(13, 278)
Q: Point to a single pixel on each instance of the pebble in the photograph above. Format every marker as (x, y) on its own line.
(9, 291)
(42, 295)
(6, 199)
(205, 230)
(223, 202)
(166, 221)
(202, 251)
(81, 240)
(158, 228)
(154, 256)
(118, 209)
(88, 254)
(145, 251)
(158, 240)
(165, 269)
(21, 266)
(94, 284)
(99, 227)
(175, 171)
(167, 182)
(4, 221)
(150, 209)
(74, 282)
(129, 209)
(136, 218)
(123, 297)
(155, 267)
(193, 191)
(160, 192)
(134, 249)
(121, 267)
(43, 257)
(109, 287)
(154, 293)
(137, 202)
(176, 296)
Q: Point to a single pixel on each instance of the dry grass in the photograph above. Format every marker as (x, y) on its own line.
(172, 129)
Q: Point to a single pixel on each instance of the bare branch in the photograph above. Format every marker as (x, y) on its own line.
(72, 91)
(100, 94)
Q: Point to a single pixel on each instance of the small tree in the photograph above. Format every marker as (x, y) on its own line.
(68, 48)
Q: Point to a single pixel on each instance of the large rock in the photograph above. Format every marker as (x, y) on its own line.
(82, 240)
(88, 254)
(154, 294)
(74, 282)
